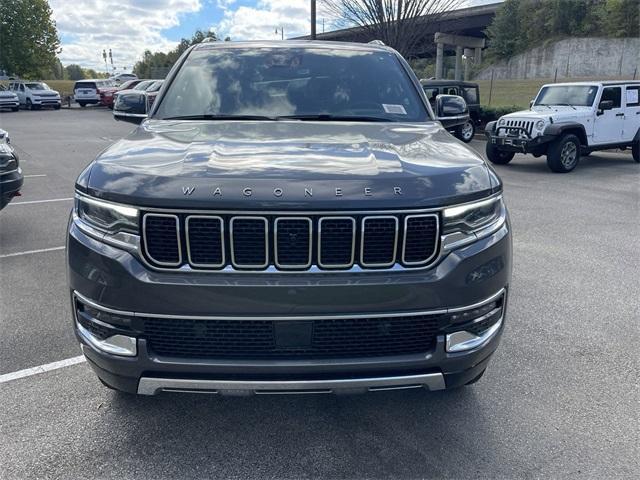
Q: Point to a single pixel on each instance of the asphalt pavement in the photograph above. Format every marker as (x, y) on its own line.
(560, 398)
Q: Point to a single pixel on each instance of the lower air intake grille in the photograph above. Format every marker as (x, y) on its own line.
(268, 339)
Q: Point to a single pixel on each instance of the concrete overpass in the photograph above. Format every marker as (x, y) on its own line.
(467, 22)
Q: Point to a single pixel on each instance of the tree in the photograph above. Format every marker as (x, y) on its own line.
(74, 72)
(29, 40)
(401, 24)
(153, 63)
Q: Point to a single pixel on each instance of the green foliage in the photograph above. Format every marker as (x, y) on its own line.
(74, 72)
(489, 114)
(160, 61)
(523, 24)
(29, 40)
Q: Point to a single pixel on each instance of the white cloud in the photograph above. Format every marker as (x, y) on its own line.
(260, 22)
(128, 27)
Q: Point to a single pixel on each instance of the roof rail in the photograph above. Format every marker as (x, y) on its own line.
(209, 40)
(377, 42)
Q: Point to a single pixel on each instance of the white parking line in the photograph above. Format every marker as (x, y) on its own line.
(28, 252)
(36, 175)
(27, 372)
(31, 202)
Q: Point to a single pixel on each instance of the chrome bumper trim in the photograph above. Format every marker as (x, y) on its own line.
(153, 386)
(116, 345)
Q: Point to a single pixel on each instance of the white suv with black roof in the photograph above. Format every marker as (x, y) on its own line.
(567, 120)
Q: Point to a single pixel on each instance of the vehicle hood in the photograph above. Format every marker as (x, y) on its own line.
(5, 94)
(45, 93)
(557, 113)
(288, 164)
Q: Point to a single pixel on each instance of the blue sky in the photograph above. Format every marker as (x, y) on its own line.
(129, 27)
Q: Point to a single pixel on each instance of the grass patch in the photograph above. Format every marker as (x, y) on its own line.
(519, 92)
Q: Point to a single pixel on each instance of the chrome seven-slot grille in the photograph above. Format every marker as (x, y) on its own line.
(291, 242)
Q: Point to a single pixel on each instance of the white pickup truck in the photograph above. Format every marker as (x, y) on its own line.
(567, 120)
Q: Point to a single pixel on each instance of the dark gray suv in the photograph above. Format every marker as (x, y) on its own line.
(289, 218)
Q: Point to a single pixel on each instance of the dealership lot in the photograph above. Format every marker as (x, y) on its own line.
(559, 399)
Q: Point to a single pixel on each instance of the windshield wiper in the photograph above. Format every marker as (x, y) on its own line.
(326, 117)
(213, 116)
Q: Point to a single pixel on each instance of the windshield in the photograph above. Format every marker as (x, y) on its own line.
(576, 95)
(306, 83)
(143, 85)
(37, 86)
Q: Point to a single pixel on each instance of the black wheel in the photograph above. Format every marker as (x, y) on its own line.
(57, 107)
(635, 150)
(466, 131)
(475, 380)
(82, 104)
(29, 105)
(564, 154)
(499, 157)
(15, 109)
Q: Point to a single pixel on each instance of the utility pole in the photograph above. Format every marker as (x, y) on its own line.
(313, 19)
(111, 59)
(281, 30)
(104, 57)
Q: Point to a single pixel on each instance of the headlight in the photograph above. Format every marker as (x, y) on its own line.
(107, 217)
(540, 124)
(502, 122)
(472, 217)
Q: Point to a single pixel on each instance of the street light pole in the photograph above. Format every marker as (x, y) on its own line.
(313, 19)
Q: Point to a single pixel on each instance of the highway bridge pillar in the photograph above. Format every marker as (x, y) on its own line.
(439, 60)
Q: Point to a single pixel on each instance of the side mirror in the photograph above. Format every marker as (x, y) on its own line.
(530, 104)
(131, 107)
(604, 105)
(450, 107)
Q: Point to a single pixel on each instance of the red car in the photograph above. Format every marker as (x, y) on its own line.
(106, 90)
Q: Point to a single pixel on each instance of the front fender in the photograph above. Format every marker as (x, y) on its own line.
(558, 129)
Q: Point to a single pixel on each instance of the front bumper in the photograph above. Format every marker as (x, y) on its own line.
(9, 103)
(46, 102)
(109, 278)
(10, 185)
(522, 144)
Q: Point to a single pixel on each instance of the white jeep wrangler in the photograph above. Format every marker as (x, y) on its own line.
(569, 119)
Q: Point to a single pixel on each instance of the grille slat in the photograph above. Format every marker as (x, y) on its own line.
(163, 245)
(257, 339)
(215, 242)
(420, 239)
(205, 241)
(249, 242)
(336, 239)
(379, 241)
(293, 242)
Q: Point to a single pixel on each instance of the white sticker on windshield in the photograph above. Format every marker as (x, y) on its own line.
(394, 109)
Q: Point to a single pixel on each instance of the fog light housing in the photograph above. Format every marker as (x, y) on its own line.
(105, 331)
(121, 345)
(474, 327)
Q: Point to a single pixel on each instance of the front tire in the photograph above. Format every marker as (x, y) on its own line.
(82, 104)
(29, 105)
(466, 131)
(564, 154)
(635, 151)
(15, 109)
(499, 157)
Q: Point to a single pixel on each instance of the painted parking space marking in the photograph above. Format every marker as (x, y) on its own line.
(36, 175)
(47, 367)
(31, 202)
(29, 252)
